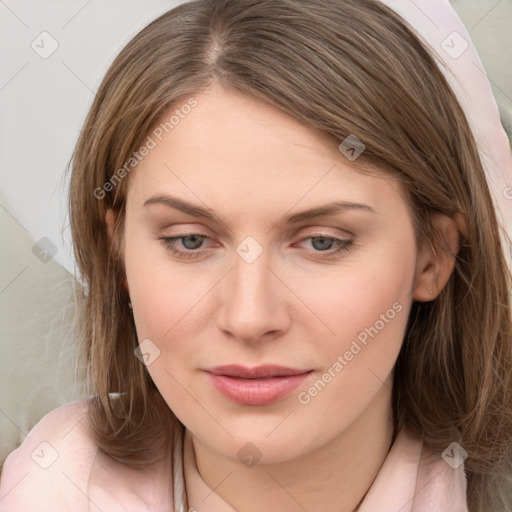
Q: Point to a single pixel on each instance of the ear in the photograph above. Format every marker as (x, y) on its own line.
(435, 263)
(110, 221)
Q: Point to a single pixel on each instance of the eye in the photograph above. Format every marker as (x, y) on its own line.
(191, 243)
(329, 245)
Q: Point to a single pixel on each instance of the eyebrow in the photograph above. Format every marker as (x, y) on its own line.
(294, 218)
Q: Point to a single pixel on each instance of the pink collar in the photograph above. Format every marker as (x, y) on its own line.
(411, 479)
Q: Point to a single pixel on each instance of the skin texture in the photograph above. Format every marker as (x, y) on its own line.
(294, 305)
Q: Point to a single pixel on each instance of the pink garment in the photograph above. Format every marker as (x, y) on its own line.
(59, 468)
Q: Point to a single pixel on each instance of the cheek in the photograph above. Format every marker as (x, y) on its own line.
(169, 300)
(371, 293)
(368, 311)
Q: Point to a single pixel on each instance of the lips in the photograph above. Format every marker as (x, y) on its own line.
(255, 386)
(259, 372)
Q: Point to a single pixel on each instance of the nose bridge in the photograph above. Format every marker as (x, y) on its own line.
(251, 277)
(250, 297)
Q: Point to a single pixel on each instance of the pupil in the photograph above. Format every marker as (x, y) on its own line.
(322, 243)
(196, 241)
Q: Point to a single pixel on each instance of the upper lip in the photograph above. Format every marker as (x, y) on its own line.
(265, 371)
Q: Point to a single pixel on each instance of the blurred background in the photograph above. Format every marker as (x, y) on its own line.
(53, 56)
(489, 23)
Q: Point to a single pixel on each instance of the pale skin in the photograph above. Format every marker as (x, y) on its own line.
(294, 305)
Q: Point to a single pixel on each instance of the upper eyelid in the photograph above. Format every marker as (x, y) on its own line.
(286, 231)
(327, 213)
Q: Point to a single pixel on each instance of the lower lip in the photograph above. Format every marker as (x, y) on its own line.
(256, 391)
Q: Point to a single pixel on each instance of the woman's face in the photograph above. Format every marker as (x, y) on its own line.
(255, 283)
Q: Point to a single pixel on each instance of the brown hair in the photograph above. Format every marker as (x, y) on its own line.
(344, 68)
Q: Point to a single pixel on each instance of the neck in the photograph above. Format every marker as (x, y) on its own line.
(334, 477)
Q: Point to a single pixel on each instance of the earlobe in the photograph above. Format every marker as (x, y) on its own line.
(435, 263)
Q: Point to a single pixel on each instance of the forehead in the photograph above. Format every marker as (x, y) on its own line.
(232, 149)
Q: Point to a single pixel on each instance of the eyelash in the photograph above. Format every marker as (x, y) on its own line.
(168, 243)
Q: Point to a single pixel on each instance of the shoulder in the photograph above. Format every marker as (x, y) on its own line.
(50, 469)
(60, 467)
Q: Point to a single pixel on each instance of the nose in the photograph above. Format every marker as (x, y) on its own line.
(253, 300)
